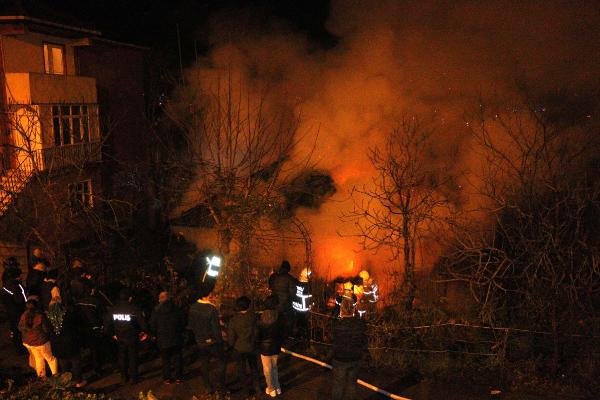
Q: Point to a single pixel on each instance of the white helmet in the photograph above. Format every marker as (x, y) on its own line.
(364, 275)
(304, 275)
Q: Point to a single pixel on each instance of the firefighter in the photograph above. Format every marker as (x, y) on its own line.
(370, 295)
(347, 294)
(126, 325)
(302, 303)
(367, 295)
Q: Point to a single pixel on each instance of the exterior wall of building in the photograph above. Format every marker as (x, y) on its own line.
(25, 52)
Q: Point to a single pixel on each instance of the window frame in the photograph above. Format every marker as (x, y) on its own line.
(81, 196)
(48, 59)
(66, 123)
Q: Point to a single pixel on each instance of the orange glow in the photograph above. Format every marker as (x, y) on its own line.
(336, 258)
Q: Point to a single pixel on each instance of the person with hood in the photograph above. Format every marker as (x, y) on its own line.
(35, 330)
(65, 337)
(167, 324)
(269, 340)
(241, 336)
(349, 345)
(203, 321)
(125, 323)
(283, 285)
(14, 298)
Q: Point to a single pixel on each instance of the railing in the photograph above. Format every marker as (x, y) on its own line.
(71, 155)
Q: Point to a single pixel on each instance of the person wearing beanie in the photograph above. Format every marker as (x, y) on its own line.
(35, 331)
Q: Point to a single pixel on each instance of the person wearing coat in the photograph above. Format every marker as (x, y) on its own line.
(125, 323)
(14, 298)
(35, 279)
(167, 324)
(65, 337)
(203, 321)
(283, 285)
(35, 331)
(241, 336)
(270, 338)
(349, 345)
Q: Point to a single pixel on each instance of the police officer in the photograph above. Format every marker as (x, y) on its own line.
(14, 298)
(126, 324)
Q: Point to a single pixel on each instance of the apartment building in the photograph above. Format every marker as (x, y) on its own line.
(71, 119)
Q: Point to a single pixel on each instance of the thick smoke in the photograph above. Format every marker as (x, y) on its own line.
(397, 58)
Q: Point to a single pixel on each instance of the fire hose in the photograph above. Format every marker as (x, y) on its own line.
(359, 381)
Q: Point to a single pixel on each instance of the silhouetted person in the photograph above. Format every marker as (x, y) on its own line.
(270, 339)
(283, 285)
(241, 336)
(65, 337)
(35, 280)
(203, 321)
(35, 331)
(167, 324)
(125, 323)
(49, 283)
(349, 345)
(13, 297)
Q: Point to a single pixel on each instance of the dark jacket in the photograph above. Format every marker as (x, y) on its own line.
(65, 336)
(203, 320)
(126, 322)
(283, 285)
(13, 299)
(35, 280)
(39, 332)
(269, 334)
(46, 292)
(167, 324)
(350, 339)
(90, 311)
(241, 332)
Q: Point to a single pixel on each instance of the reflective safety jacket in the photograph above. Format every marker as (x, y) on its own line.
(126, 322)
(303, 298)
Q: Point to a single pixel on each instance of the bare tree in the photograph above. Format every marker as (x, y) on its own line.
(235, 155)
(46, 195)
(408, 198)
(534, 263)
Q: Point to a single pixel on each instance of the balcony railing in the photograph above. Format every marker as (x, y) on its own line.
(37, 88)
(71, 155)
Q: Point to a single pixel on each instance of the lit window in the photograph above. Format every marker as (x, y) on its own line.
(70, 124)
(54, 59)
(80, 195)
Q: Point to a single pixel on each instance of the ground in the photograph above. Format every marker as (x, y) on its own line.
(300, 381)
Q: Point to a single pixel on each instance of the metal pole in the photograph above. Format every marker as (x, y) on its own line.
(359, 381)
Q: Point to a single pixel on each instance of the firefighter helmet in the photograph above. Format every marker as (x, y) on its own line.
(364, 275)
(348, 285)
(304, 274)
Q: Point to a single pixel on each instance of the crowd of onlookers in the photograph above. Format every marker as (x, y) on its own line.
(54, 316)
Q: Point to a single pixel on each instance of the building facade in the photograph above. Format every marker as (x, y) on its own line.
(71, 118)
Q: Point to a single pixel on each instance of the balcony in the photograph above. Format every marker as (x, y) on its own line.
(70, 155)
(38, 88)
